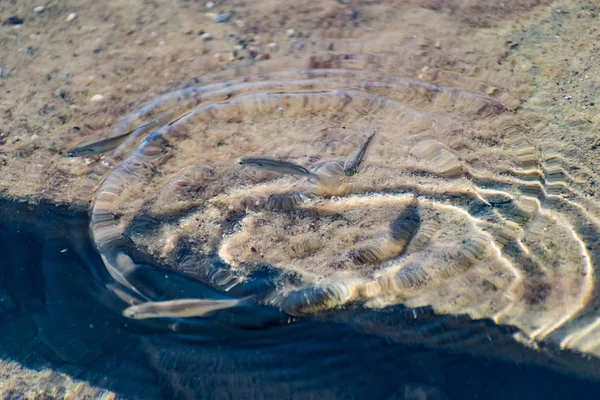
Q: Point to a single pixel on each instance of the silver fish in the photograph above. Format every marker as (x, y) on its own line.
(108, 144)
(119, 271)
(280, 166)
(355, 159)
(182, 308)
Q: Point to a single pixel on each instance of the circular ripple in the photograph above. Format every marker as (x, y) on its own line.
(454, 208)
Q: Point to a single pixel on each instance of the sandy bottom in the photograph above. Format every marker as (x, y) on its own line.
(520, 70)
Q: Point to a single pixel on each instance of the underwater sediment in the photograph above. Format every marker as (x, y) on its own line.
(469, 222)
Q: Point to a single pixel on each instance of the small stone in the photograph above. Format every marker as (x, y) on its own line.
(352, 14)
(206, 36)
(39, 9)
(291, 32)
(272, 46)
(14, 20)
(209, 5)
(97, 98)
(222, 18)
(71, 17)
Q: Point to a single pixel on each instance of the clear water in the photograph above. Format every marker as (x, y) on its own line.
(62, 318)
(62, 335)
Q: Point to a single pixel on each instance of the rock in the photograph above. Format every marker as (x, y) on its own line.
(222, 18)
(206, 36)
(97, 98)
(14, 20)
(71, 17)
(39, 9)
(291, 32)
(209, 5)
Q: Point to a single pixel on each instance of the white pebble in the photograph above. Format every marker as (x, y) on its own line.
(210, 5)
(272, 46)
(39, 9)
(97, 98)
(71, 17)
(291, 32)
(206, 36)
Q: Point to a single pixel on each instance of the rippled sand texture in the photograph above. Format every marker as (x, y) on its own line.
(458, 208)
(468, 202)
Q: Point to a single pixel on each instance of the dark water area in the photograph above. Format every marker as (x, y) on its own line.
(57, 313)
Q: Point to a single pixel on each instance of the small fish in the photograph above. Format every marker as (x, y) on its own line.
(185, 114)
(282, 167)
(121, 269)
(104, 145)
(355, 159)
(181, 308)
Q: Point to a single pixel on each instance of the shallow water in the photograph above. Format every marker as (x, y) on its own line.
(62, 318)
(471, 228)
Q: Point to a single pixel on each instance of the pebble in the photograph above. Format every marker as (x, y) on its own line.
(14, 20)
(39, 9)
(209, 5)
(97, 98)
(222, 18)
(291, 32)
(272, 46)
(71, 17)
(206, 36)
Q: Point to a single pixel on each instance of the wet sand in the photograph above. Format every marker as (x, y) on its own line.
(128, 54)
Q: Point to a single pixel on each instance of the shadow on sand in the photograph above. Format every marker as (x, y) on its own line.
(55, 312)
